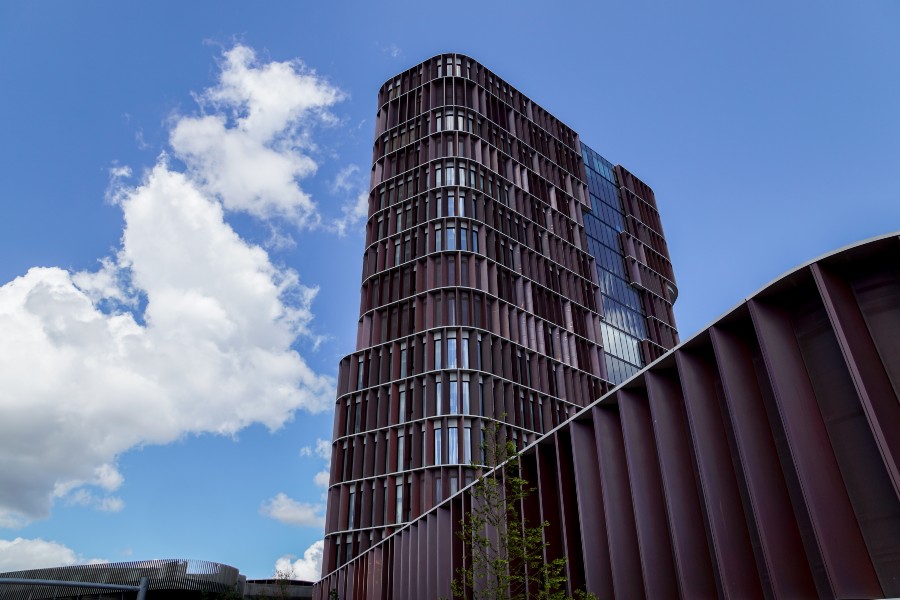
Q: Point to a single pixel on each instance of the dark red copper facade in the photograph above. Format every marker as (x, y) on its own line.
(649, 267)
(758, 459)
(481, 301)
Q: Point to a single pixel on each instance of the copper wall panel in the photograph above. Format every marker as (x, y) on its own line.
(840, 543)
(690, 547)
(745, 464)
(725, 521)
(869, 376)
(660, 580)
(774, 527)
(548, 496)
(617, 505)
(594, 552)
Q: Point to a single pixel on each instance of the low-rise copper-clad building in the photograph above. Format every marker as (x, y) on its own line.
(757, 459)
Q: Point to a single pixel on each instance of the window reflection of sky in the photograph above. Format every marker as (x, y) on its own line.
(624, 324)
(627, 320)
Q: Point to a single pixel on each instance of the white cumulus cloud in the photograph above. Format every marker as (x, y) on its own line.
(188, 328)
(21, 554)
(253, 150)
(306, 568)
(291, 512)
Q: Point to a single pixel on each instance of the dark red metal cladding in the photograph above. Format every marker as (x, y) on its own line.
(774, 525)
(593, 533)
(676, 461)
(569, 517)
(758, 459)
(726, 525)
(624, 554)
(648, 263)
(868, 374)
(646, 495)
(478, 304)
(847, 564)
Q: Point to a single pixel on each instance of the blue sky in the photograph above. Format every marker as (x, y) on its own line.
(165, 367)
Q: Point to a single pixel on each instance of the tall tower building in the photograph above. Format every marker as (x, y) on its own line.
(511, 275)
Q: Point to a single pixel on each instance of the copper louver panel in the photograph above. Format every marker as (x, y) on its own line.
(757, 459)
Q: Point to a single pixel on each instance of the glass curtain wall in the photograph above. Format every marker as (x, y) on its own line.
(624, 324)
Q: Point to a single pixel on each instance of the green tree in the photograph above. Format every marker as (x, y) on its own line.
(505, 552)
(283, 579)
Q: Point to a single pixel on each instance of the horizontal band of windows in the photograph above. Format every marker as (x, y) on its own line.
(457, 119)
(425, 234)
(392, 168)
(567, 292)
(480, 188)
(420, 368)
(525, 339)
(422, 110)
(388, 435)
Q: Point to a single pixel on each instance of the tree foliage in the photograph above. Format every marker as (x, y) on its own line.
(505, 553)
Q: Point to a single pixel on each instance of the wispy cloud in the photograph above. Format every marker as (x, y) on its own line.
(350, 182)
(321, 478)
(322, 449)
(392, 50)
(82, 497)
(344, 181)
(291, 512)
